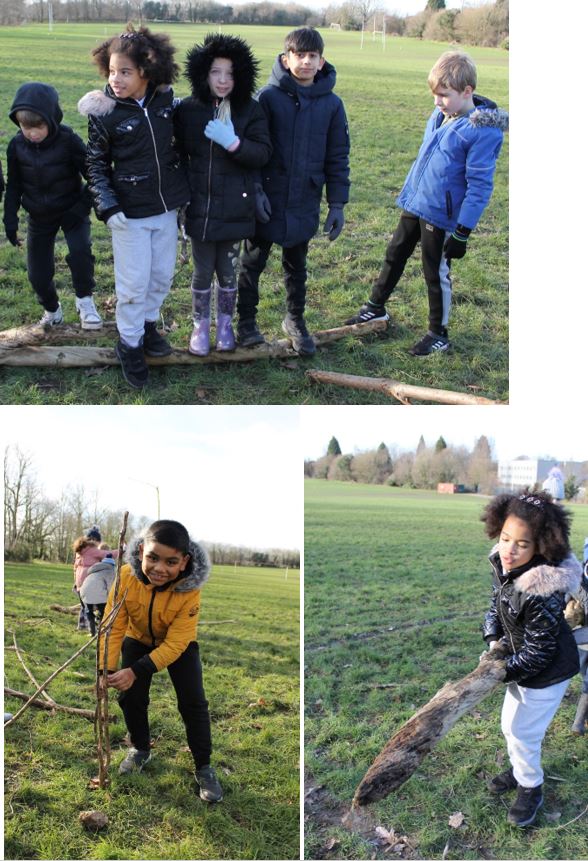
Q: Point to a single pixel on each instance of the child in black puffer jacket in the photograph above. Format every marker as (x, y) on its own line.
(533, 569)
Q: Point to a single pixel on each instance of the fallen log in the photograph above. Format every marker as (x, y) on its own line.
(418, 736)
(26, 347)
(403, 392)
(40, 704)
(71, 611)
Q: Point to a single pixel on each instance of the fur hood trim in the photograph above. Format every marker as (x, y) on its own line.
(101, 103)
(245, 67)
(489, 118)
(544, 580)
(194, 577)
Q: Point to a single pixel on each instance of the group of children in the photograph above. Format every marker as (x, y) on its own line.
(247, 168)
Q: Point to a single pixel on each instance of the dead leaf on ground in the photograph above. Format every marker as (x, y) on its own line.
(553, 817)
(291, 366)
(93, 820)
(392, 841)
(94, 783)
(456, 819)
(331, 843)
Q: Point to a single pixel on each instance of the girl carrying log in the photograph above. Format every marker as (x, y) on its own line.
(533, 569)
(155, 630)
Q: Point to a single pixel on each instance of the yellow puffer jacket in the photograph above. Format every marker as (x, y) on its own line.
(165, 618)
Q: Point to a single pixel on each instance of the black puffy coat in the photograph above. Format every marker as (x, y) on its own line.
(527, 613)
(222, 195)
(132, 162)
(310, 137)
(44, 178)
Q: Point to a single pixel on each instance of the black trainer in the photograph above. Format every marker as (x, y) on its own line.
(302, 342)
(154, 344)
(207, 781)
(248, 335)
(503, 782)
(367, 313)
(133, 364)
(429, 344)
(525, 806)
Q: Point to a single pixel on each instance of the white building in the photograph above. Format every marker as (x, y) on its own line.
(528, 471)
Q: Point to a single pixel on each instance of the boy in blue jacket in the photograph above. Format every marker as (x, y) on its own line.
(310, 140)
(444, 194)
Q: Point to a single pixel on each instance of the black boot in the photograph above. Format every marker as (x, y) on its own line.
(502, 782)
(133, 364)
(525, 806)
(153, 343)
(302, 342)
(248, 334)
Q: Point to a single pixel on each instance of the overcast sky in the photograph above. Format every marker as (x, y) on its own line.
(230, 474)
(360, 428)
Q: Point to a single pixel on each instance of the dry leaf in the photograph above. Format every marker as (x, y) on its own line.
(553, 817)
(331, 842)
(93, 820)
(456, 819)
(383, 833)
(94, 783)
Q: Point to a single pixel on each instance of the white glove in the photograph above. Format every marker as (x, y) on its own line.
(118, 221)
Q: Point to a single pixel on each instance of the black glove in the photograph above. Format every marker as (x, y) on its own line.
(456, 244)
(334, 221)
(12, 236)
(263, 209)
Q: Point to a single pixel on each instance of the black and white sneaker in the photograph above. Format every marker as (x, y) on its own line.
(302, 342)
(367, 313)
(209, 787)
(135, 760)
(525, 806)
(429, 344)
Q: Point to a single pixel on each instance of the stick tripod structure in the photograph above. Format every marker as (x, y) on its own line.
(101, 719)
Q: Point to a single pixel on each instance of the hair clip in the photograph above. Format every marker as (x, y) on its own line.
(126, 35)
(532, 500)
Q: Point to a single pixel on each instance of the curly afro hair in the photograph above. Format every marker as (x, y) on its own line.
(153, 53)
(549, 522)
(245, 66)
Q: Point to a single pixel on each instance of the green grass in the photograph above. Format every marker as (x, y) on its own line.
(251, 677)
(396, 586)
(387, 102)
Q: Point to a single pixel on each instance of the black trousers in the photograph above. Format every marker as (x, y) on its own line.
(410, 231)
(41, 259)
(186, 676)
(221, 257)
(95, 613)
(253, 261)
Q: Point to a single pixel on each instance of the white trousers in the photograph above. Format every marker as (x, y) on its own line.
(526, 714)
(144, 262)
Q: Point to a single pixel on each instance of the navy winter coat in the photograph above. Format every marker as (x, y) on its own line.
(310, 137)
(527, 611)
(44, 178)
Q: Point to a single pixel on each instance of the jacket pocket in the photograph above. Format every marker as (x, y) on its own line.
(125, 132)
(448, 204)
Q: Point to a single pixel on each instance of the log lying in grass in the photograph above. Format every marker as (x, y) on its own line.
(26, 347)
(393, 388)
(71, 611)
(39, 704)
(418, 736)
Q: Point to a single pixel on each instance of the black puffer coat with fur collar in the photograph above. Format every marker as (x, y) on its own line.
(527, 613)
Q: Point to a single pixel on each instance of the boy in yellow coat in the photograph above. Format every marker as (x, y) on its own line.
(156, 629)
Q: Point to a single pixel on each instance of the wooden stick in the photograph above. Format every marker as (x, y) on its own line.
(415, 739)
(30, 350)
(72, 611)
(53, 706)
(45, 695)
(393, 388)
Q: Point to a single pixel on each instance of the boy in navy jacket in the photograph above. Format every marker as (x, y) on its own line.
(310, 140)
(444, 194)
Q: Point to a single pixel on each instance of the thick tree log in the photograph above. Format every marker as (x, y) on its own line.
(418, 736)
(395, 389)
(26, 347)
(71, 611)
(38, 704)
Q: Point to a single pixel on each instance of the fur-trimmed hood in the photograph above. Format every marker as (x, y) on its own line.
(245, 66)
(543, 579)
(101, 103)
(196, 574)
(487, 114)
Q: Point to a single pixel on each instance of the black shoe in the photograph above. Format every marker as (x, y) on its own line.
(207, 781)
(153, 343)
(302, 342)
(524, 808)
(431, 343)
(502, 782)
(248, 335)
(367, 313)
(135, 760)
(133, 364)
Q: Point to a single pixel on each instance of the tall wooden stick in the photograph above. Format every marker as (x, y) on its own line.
(44, 694)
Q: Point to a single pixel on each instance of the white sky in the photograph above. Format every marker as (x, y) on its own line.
(360, 428)
(230, 474)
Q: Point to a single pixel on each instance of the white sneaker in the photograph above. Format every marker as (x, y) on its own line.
(89, 316)
(52, 318)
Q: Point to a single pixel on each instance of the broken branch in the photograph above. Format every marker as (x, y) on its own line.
(52, 706)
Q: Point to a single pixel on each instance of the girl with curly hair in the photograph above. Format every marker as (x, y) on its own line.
(138, 184)
(155, 630)
(533, 569)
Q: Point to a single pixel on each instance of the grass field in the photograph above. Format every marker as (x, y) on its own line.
(251, 676)
(388, 102)
(396, 587)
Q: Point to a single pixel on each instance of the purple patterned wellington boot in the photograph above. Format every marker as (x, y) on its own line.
(200, 338)
(225, 306)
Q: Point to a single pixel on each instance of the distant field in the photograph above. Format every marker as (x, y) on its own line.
(396, 586)
(249, 646)
(387, 101)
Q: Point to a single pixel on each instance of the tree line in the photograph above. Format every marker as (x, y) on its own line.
(40, 527)
(479, 25)
(424, 468)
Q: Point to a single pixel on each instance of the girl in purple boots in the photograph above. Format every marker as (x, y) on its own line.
(223, 135)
